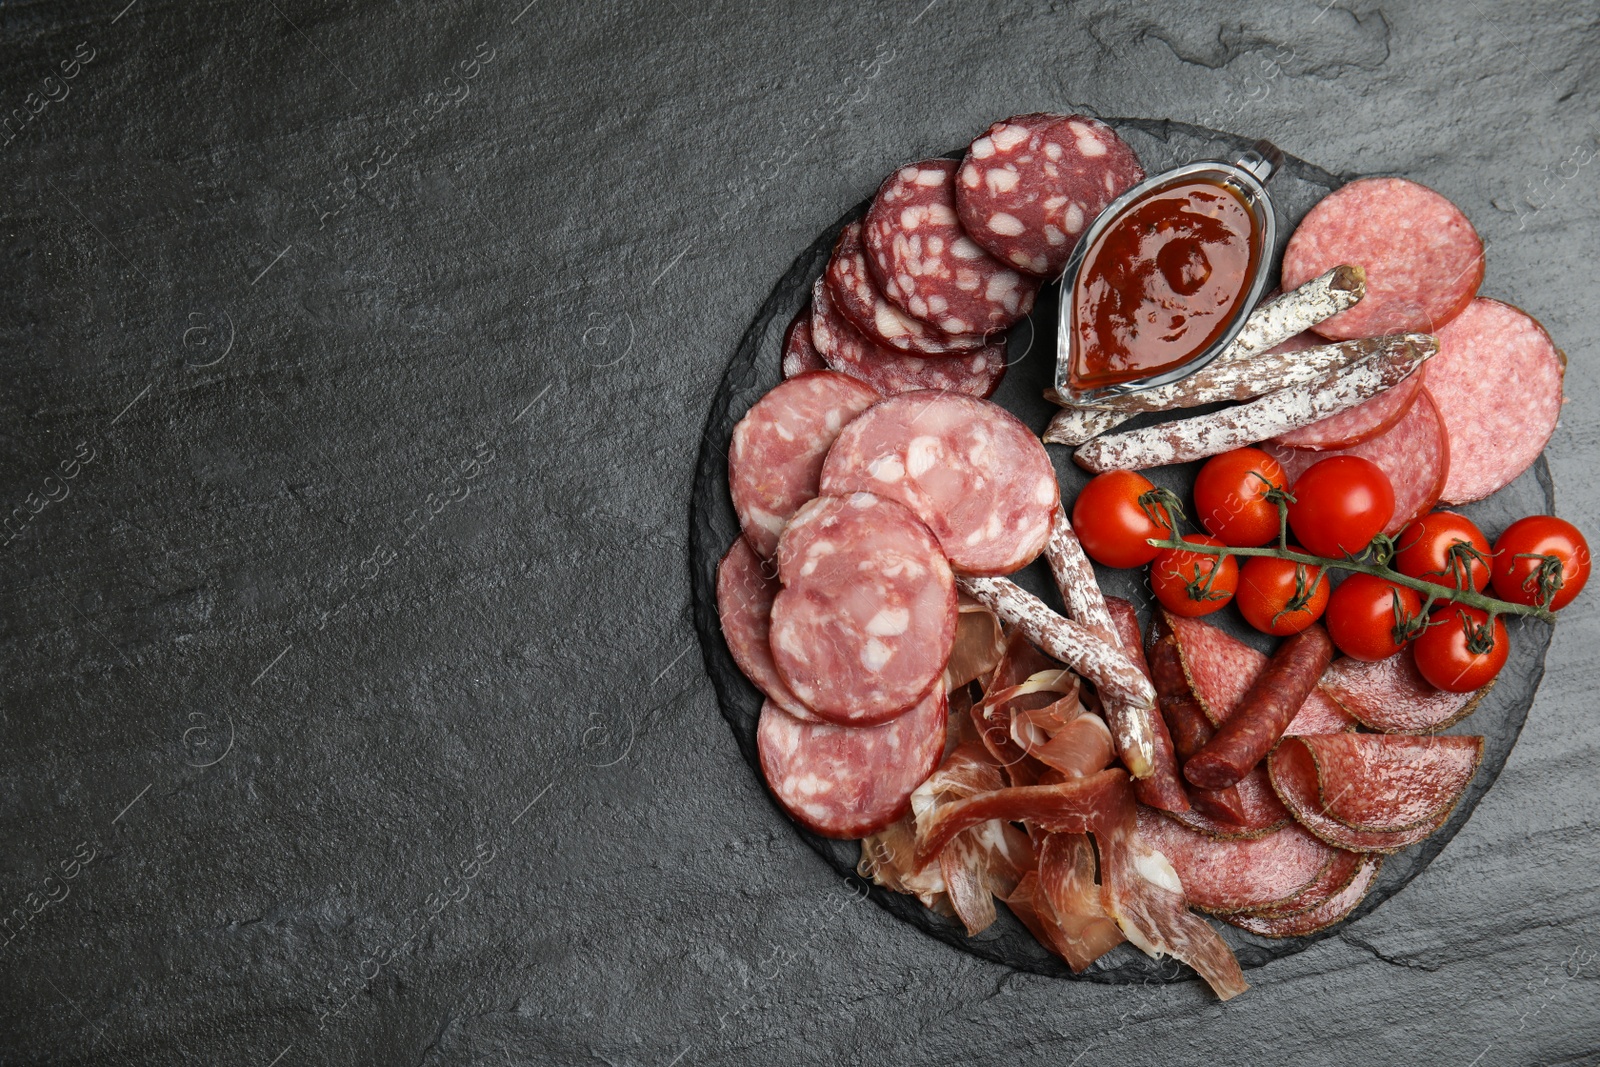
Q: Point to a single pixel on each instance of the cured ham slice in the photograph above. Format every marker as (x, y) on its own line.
(1068, 907)
(979, 643)
(1221, 668)
(1391, 695)
(1394, 790)
(1319, 916)
(1075, 806)
(1237, 875)
(888, 858)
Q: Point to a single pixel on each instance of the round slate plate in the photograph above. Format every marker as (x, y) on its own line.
(754, 369)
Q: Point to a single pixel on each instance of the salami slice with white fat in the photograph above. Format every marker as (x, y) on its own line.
(866, 620)
(847, 782)
(968, 468)
(1423, 259)
(1360, 423)
(925, 263)
(1391, 695)
(746, 588)
(858, 298)
(1498, 387)
(1030, 186)
(1415, 454)
(1222, 876)
(799, 353)
(847, 350)
(778, 448)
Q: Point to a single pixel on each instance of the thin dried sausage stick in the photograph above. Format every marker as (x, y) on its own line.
(1087, 653)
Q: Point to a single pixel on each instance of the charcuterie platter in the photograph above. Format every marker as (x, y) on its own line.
(890, 633)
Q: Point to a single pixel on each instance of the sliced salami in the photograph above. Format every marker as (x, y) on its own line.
(1030, 185)
(1221, 669)
(864, 625)
(858, 298)
(925, 263)
(1259, 811)
(1388, 782)
(968, 468)
(1498, 387)
(1333, 878)
(746, 587)
(1423, 259)
(1414, 453)
(1360, 423)
(845, 782)
(847, 350)
(1316, 917)
(1238, 875)
(800, 355)
(1391, 695)
(778, 447)
(1294, 773)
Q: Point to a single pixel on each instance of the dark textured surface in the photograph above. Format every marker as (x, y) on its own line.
(285, 657)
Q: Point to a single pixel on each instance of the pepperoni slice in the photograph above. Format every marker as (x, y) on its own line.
(925, 263)
(1030, 186)
(846, 782)
(1414, 453)
(1237, 875)
(1391, 695)
(865, 622)
(1423, 259)
(857, 296)
(969, 469)
(778, 447)
(800, 355)
(1361, 423)
(1221, 668)
(848, 351)
(1319, 916)
(1497, 381)
(746, 588)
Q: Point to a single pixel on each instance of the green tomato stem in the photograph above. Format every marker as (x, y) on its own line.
(1432, 590)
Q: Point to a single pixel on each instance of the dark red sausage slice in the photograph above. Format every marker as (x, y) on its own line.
(1237, 875)
(857, 296)
(799, 354)
(1256, 725)
(1030, 186)
(1391, 695)
(746, 587)
(926, 264)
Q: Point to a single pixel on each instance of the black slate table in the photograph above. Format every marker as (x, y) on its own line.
(353, 710)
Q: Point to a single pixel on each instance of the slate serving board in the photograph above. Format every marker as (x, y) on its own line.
(754, 368)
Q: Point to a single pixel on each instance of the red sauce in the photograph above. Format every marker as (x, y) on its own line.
(1161, 284)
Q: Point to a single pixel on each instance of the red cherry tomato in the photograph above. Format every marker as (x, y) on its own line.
(1182, 580)
(1459, 652)
(1365, 615)
(1427, 549)
(1341, 504)
(1110, 522)
(1229, 496)
(1522, 573)
(1268, 585)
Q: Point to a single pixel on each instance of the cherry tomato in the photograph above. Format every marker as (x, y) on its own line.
(1111, 524)
(1424, 550)
(1229, 496)
(1518, 561)
(1458, 651)
(1362, 617)
(1182, 580)
(1341, 504)
(1267, 585)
